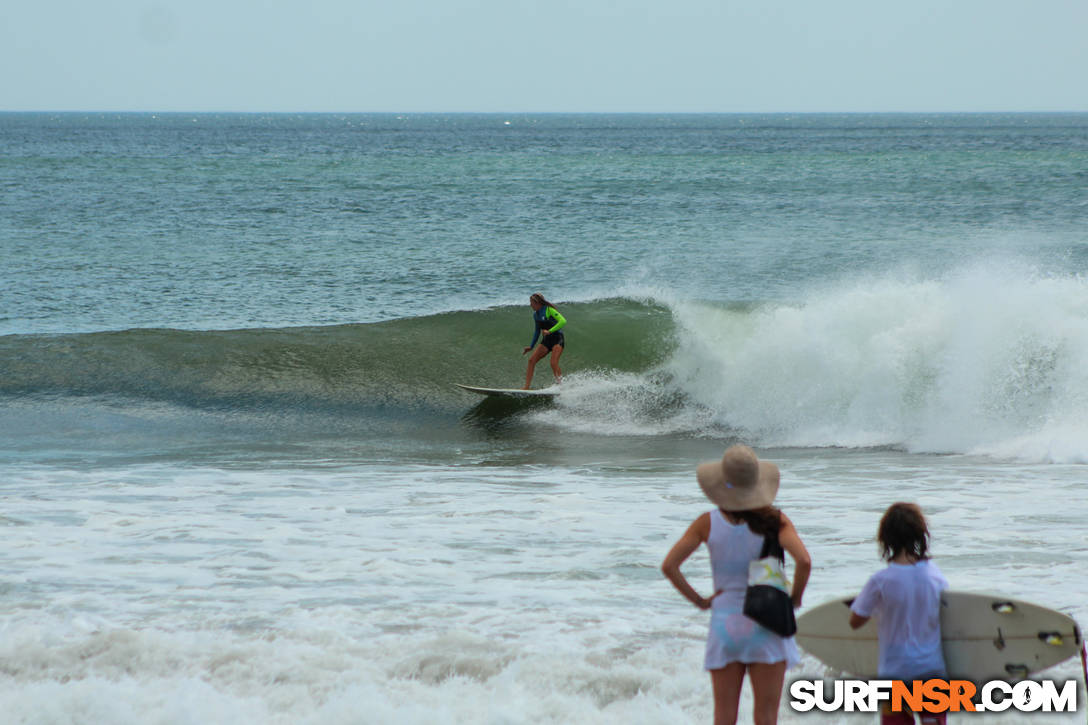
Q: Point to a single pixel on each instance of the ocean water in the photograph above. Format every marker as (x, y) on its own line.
(239, 485)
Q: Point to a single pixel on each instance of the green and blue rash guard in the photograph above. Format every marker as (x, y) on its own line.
(547, 319)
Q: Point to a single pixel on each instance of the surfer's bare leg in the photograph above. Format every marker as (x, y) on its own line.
(556, 352)
(537, 356)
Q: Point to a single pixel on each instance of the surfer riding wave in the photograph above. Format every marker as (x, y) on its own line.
(547, 320)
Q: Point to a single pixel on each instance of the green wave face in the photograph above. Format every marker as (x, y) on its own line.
(401, 363)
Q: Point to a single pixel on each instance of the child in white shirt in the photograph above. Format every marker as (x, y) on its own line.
(905, 597)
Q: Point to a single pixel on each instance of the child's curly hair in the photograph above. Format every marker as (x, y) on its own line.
(903, 528)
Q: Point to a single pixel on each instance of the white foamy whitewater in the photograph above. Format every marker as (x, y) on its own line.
(987, 361)
(461, 593)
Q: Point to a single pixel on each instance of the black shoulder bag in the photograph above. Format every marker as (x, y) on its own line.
(767, 598)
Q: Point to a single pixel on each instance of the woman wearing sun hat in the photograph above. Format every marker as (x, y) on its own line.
(743, 488)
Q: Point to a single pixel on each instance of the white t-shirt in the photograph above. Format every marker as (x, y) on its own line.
(906, 600)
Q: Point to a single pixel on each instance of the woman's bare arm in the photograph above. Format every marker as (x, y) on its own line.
(692, 539)
(792, 544)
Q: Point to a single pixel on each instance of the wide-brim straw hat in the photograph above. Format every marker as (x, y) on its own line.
(739, 481)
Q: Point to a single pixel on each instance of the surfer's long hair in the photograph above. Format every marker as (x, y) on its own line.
(766, 521)
(903, 528)
(539, 299)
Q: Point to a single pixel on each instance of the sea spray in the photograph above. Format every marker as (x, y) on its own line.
(951, 365)
(984, 360)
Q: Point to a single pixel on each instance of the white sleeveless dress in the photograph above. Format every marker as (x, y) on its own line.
(734, 637)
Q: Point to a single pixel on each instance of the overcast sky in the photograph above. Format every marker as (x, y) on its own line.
(544, 55)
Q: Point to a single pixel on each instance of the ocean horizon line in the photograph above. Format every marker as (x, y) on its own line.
(810, 113)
